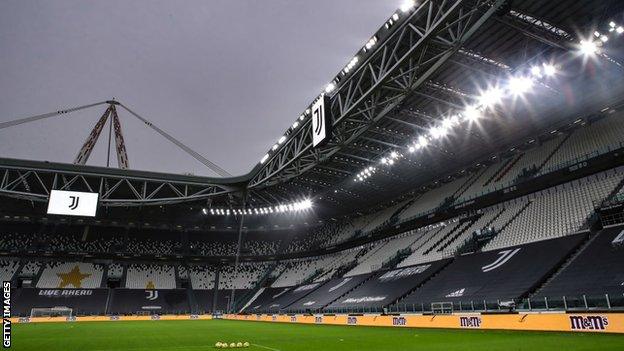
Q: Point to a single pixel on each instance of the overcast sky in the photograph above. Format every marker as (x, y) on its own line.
(226, 77)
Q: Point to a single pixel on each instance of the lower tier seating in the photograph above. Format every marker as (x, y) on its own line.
(81, 301)
(135, 301)
(143, 276)
(385, 287)
(597, 270)
(71, 275)
(504, 274)
(328, 292)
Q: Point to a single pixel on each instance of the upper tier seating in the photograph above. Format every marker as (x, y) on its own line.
(431, 199)
(381, 251)
(202, 277)
(297, 271)
(30, 269)
(8, 269)
(422, 250)
(115, 271)
(558, 211)
(591, 140)
(144, 276)
(70, 275)
(244, 277)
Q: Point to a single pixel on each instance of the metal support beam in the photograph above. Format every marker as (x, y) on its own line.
(398, 66)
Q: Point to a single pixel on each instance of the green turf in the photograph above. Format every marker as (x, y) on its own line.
(202, 335)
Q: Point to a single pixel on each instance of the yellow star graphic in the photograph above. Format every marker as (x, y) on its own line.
(73, 277)
(150, 285)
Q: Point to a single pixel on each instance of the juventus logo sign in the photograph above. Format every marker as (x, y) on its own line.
(75, 200)
(503, 257)
(72, 203)
(319, 120)
(151, 294)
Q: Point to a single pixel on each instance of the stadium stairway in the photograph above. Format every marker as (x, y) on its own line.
(104, 276)
(393, 261)
(565, 138)
(37, 276)
(20, 266)
(421, 284)
(109, 301)
(459, 233)
(499, 171)
(472, 178)
(252, 294)
(508, 167)
(568, 260)
(612, 194)
(194, 306)
(370, 276)
(463, 224)
(482, 244)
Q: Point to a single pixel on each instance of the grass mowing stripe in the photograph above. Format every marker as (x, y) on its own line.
(265, 347)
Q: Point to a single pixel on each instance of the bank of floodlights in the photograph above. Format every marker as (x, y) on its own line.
(298, 206)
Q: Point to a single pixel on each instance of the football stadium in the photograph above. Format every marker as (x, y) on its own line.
(456, 184)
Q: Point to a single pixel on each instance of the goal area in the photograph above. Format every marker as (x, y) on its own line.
(57, 311)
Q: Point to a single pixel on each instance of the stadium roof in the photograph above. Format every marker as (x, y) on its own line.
(418, 76)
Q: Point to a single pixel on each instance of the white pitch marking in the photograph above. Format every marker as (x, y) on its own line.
(265, 347)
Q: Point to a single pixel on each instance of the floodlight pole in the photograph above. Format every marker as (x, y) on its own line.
(238, 250)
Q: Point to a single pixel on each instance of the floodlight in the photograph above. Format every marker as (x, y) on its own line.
(588, 47)
(330, 87)
(412, 149)
(619, 30)
(407, 5)
(549, 70)
(264, 158)
(295, 125)
(437, 132)
(204, 211)
(393, 154)
(491, 97)
(275, 147)
(423, 141)
(384, 160)
(471, 113)
(307, 203)
(281, 140)
(520, 85)
(536, 71)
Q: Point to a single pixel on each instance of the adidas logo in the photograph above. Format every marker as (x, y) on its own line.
(457, 293)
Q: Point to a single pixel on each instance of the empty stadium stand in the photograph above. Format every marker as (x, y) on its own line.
(146, 276)
(57, 275)
(327, 293)
(492, 276)
(148, 301)
(383, 288)
(594, 272)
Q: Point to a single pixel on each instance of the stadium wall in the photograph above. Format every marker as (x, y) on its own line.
(557, 321)
(107, 318)
(582, 322)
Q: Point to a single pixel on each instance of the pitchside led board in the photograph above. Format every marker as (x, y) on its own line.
(320, 118)
(72, 203)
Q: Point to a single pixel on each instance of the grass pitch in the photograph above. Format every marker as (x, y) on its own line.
(203, 334)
